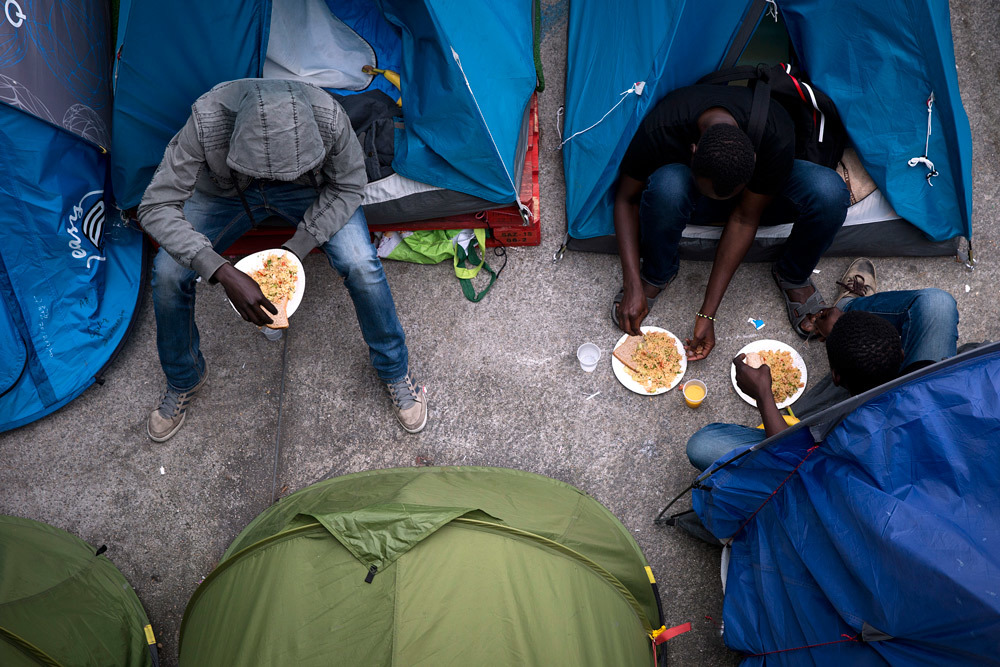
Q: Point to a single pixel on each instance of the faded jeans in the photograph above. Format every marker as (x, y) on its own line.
(927, 322)
(224, 220)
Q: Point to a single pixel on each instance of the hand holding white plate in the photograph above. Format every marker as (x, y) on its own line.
(621, 371)
(255, 262)
(776, 346)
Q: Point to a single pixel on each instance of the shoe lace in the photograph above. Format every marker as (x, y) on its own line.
(854, 284)
(170, 403)
(403, 393)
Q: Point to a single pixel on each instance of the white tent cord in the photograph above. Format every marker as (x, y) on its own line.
(925, 159)
(636, 88)
(559, 118)
(772, 9)
(526, 214)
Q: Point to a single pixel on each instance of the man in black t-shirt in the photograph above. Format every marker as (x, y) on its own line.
(692, 161)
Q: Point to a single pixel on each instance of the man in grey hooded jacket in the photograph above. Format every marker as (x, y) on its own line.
(252, 149)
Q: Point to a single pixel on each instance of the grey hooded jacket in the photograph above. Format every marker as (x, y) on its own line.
(256, 128)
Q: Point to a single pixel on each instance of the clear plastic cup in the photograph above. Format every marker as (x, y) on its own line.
(588, 354)
(272, 334)
(695, 392)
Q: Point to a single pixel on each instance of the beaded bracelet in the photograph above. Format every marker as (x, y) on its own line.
(707, 317)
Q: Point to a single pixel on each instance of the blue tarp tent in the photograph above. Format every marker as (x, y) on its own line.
(869, 533)
(878, 61)
(469, 142)
(70, 270)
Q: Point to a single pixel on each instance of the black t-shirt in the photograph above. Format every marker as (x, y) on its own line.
(667, 132)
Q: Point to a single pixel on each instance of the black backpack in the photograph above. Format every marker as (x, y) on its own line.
(820, 136)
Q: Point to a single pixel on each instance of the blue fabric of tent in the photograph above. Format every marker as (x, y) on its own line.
(70, 270)
(169, 56)
(887, 527)
(879, 62)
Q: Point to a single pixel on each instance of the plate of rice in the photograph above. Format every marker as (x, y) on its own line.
(659, 360)
(788, 371)
(279, 273)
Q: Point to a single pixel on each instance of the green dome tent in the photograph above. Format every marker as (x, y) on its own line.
(430, 566)
(61, 603)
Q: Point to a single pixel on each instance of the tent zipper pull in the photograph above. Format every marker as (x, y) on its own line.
(371, 574)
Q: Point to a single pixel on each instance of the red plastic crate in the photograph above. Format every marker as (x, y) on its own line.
(504, 224)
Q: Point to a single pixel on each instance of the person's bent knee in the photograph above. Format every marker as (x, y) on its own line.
(671, 181)
(826, 196)
(168, 276)
(831, 190)
(363, 269)
(668, 188)
(702, 446)
(937, 302)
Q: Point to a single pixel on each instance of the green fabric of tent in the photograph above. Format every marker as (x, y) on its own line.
(427, 566)
(61, 604)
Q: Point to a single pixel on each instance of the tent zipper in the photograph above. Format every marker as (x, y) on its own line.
(371, 574)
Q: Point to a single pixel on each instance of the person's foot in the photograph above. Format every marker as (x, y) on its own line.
(801, 295)
(648, 291)
(169, 415)
(858, 280)
(801, 301)
(409, 403)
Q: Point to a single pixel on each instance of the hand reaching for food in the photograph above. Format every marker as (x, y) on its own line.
(753, 376)
(700, 344)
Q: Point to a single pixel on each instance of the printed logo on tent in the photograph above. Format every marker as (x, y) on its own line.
(86, 223)
(12, 12)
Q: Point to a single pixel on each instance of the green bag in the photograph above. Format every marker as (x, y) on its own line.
(432, 246)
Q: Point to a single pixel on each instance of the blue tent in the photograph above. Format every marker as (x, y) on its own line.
(869, 533)
(70, 270)
(879, 62)
(467, 77)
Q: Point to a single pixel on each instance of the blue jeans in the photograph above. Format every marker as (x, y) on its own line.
(223, 220)
(814, 197)
(927, 322)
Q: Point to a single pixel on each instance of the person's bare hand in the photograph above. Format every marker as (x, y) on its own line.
(754, 382)
(244, 292)
(700, 344)
(632, 311)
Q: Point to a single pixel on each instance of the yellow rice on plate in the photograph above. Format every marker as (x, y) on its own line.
(786, 379)
(277, 277)
(657, 361)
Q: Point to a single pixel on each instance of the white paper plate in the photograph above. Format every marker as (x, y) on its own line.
(776, 345)
(255, 262)
(622, 374)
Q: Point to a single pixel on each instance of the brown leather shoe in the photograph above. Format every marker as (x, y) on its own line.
(858, 280)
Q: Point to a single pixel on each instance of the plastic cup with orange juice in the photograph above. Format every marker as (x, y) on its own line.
(694, 392)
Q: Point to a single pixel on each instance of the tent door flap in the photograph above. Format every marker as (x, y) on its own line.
(308, 43)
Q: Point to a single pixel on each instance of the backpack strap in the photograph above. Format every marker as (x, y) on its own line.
(759, 106)
(747, 28)
(741, 73)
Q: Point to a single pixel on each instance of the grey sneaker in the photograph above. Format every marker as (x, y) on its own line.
(409, 403)
(858, 280)
(169, 416)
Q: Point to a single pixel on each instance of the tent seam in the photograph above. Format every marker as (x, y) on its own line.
(571, 554)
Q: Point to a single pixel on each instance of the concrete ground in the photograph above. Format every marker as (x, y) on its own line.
(502, 379)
